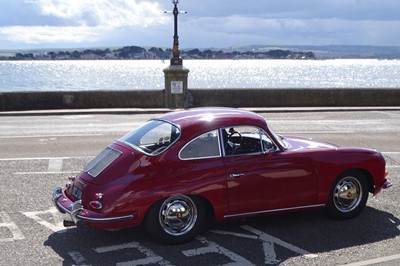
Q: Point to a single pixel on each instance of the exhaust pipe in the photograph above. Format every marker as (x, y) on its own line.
(68, 223)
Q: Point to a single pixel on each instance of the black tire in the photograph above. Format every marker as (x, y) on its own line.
(348, 196)
(177, 219)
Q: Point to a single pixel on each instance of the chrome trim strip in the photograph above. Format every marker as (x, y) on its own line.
(56, 194)
(105, 220)
(270, 211)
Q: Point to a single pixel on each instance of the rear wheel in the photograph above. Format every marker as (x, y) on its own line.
(348, 195)
(175, 220)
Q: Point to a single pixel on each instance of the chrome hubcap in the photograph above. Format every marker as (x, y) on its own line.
(178, 215)
(347, 194)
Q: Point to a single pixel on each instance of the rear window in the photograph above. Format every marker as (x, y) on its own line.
(153, 138)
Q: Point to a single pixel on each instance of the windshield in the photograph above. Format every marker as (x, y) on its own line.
(278, 138)
(152, 138)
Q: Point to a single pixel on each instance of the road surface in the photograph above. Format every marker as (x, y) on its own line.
(38, 152)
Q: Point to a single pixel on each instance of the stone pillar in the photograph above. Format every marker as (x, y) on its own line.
(176, 87)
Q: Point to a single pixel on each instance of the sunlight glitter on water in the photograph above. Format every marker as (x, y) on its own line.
(148, 74)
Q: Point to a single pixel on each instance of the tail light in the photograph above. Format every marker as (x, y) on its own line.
(95, 204)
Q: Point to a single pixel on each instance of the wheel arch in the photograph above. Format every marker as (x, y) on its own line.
(365, 173)
(177, 218)
(209, 207)
(349, 194)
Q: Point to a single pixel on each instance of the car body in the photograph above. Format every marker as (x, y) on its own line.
(184, 167)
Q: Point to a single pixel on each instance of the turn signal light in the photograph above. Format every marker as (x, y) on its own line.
(96, 205)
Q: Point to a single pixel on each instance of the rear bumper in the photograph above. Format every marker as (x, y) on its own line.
(77, 213)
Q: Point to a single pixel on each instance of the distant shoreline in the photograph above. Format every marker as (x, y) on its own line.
(140, 53)
(320, 52)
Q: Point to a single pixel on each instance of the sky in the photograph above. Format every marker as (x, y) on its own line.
(36, 24)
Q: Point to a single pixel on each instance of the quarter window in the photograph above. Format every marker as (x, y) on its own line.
(267, 144)
(204, 146)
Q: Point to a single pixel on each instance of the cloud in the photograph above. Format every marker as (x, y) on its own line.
(84, 20)
(47, 34)
(209, 23)
(116, 13)
(296, 9)
(242, 30)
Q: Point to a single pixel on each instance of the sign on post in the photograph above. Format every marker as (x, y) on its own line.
(176, 87)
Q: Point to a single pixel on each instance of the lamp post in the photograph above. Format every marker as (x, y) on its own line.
(176, 60)
(176, 75)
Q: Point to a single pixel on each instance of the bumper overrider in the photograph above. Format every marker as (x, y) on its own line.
(77, 213)
(387, 184)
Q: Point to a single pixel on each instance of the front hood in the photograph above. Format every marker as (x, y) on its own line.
(113, 162)
(301, 144)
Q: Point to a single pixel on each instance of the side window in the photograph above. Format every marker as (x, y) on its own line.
(204, 146)
(241, 140)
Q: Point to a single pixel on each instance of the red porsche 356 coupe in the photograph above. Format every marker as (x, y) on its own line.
(182, 168)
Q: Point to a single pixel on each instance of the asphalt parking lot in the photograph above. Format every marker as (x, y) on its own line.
(38, 152)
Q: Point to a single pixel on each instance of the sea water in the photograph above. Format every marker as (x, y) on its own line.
(204, 74)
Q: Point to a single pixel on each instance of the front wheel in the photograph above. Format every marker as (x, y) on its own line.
(348, 195)
(175, 220)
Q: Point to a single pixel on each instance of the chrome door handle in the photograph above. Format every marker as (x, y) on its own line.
(236, 175)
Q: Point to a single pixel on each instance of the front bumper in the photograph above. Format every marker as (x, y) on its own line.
(387, 184)
(77, 213)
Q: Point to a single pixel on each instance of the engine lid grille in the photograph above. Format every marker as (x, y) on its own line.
(102, 161)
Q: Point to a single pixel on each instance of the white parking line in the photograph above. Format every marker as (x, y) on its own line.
(55, 224)
(271, 239)
(77, 258)
(151, 257)
(43, 158)
(55, 165)
(212, 247)
(268, 244)
(47, 173)
(375, 261)
(48, 136)
(5, 221)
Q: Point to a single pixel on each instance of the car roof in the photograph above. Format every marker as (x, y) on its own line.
(208, 118)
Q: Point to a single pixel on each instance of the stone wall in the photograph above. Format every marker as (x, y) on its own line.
(18, 101)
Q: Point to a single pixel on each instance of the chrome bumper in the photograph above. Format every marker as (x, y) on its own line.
(387, 184)
(74, 209)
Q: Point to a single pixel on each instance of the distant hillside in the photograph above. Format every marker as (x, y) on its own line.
(334, 51)
(233, 52)
(154, 53)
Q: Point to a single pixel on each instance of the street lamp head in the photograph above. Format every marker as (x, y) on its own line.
(175, 2)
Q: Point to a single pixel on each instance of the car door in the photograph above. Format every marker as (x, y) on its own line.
(265, 179)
